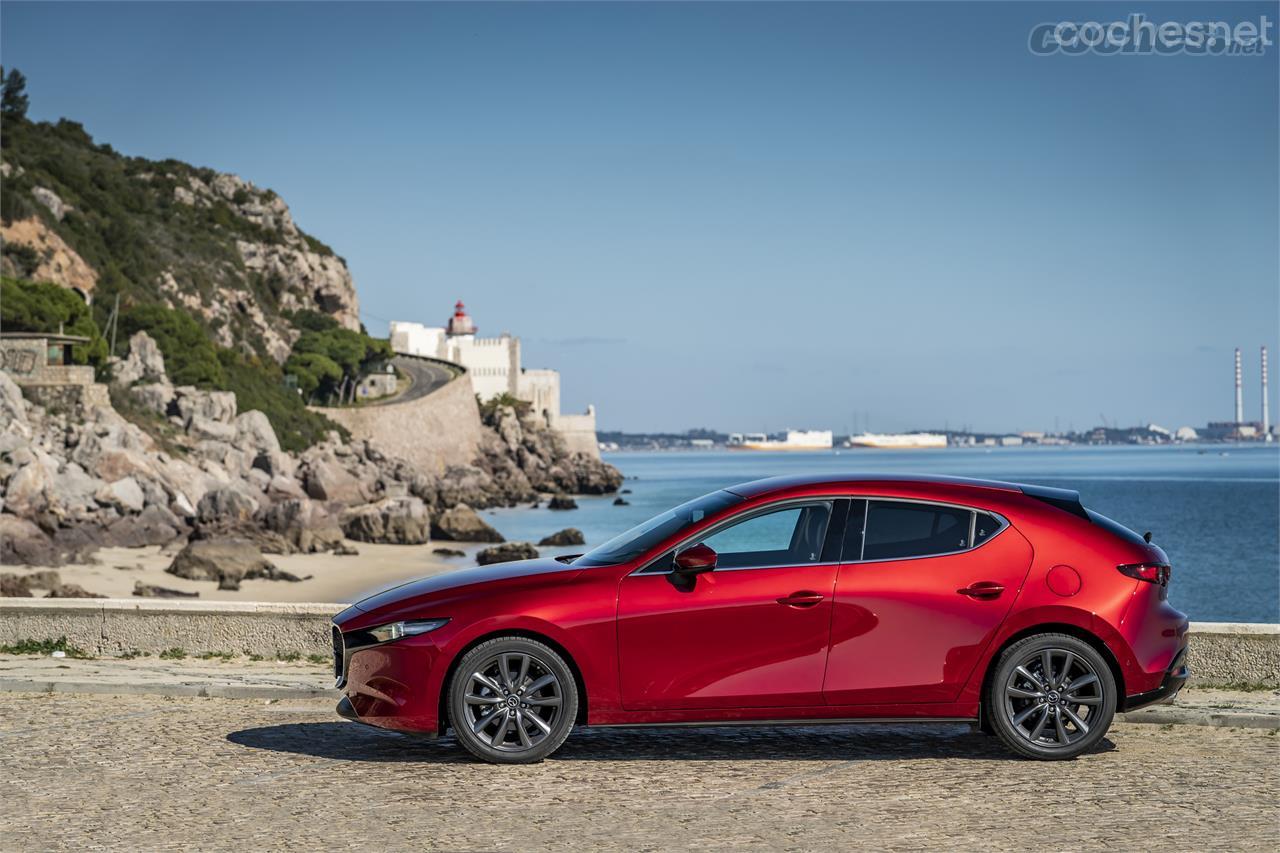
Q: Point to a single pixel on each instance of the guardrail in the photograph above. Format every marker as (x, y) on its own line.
(1221, 653)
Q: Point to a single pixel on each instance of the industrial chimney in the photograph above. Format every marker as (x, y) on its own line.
(1266, 414)
(1239, 394)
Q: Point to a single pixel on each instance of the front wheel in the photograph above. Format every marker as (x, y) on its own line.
(512, 700)
(1052, 697)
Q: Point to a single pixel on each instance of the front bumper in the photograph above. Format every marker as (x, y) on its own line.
(1174, 679)
(389, 685)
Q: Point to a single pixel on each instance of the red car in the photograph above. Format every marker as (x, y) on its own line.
(797, 600)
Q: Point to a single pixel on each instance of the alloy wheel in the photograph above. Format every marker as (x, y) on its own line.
(513, 701)
(1051, 697)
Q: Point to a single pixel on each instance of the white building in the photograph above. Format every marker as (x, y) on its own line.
(495, 369)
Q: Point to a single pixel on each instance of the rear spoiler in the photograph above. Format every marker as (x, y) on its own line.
(1064, 499)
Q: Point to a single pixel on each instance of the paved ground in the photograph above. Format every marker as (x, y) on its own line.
(148, 773)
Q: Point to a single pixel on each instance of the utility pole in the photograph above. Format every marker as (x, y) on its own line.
(114, 322)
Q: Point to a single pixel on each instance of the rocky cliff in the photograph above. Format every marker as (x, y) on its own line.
(186, 465)
(210, 244)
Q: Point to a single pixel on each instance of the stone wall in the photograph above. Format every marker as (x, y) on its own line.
(1221, 654)
(431, 432)
(579, 432)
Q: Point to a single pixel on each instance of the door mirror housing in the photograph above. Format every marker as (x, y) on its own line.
(696, 560)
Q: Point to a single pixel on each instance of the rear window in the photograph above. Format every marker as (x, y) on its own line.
(896, 530)
(1115, 528)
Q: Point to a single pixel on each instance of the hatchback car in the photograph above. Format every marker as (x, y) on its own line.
(797, 600)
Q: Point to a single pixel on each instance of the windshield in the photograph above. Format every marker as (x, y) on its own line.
(642, 537)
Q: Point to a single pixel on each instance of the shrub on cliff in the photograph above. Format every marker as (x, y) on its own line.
(29, 306)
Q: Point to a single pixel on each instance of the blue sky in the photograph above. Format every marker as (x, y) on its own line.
(741, 216)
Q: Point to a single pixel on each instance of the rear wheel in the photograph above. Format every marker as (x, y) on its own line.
(512, 700)
(1052, 697)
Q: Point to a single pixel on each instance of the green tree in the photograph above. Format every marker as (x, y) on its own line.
(315, 372)
(14, 100)
(30, 306)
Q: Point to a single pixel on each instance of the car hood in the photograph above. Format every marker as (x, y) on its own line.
(416, 590)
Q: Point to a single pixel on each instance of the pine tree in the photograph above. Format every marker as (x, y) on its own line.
(14, 101)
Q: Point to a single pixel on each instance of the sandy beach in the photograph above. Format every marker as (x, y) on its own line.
(114, 571)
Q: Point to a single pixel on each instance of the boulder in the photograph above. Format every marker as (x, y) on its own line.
(145, 590)
(395, 521)
(227, 561)
(226, 507)
(43, 579)
(145, 363)
(14, 586)
(153, 396)
(155, 525)
(27, 491)
(326, 480)
(72, 590)
(125, 493)
(208, 429)
(23, 543)
(562, 502)
(568, 536)
(506, 552)
(13, 408)
(191, 403)
(621, 502)
(463, 524)
(448, 552)
(254, 432)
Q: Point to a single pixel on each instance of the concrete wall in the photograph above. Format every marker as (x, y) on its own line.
(1221, 653)
(432, 432)
(108, 627)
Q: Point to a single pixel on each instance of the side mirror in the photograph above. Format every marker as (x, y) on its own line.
(696, 560)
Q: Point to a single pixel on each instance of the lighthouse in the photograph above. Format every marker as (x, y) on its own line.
(460, 323)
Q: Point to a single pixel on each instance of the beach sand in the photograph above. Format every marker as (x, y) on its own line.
(333, 579)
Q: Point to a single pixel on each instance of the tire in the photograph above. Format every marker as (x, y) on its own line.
(1041, 718)
(517, 719)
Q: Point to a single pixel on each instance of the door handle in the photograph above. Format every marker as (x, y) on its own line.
(804, 598)
(982, 589)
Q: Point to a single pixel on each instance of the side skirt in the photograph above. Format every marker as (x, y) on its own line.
(814, 721)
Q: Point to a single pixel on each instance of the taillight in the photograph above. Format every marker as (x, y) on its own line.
(1149, 572)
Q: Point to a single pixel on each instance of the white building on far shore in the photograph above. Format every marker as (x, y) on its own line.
(495, 369)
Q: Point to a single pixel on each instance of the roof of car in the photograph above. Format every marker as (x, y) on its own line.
(1063, 499)
(773, 484)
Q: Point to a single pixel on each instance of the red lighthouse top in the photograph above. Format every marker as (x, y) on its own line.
(460, 323)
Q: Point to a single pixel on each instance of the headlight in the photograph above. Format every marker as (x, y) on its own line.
(396, 630)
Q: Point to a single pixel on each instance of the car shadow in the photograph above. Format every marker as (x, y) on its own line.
(865, 742)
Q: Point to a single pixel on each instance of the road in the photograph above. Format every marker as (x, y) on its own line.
(147, 773)
(426, 376)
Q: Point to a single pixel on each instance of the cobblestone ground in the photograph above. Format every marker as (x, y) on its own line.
(146, 773)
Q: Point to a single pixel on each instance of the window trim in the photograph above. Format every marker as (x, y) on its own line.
(973, 520)
(743, 516)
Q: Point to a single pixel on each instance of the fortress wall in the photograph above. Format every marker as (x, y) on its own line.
(432, 432)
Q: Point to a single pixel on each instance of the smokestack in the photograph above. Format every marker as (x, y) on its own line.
(1239, 393)
(1266, 414)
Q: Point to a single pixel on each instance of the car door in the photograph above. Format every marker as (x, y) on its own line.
(751, 633)
(922, 590)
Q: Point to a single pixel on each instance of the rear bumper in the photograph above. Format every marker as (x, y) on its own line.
(1173, 681)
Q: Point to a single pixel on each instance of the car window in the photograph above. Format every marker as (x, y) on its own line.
(787, 536)
(649, 534)
(985, 527)
(897, 529)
